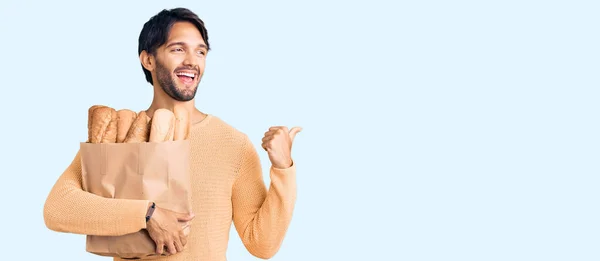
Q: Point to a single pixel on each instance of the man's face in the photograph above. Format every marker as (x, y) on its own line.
(180, 62)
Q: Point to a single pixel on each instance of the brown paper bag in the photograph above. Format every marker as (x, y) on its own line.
(157, 171)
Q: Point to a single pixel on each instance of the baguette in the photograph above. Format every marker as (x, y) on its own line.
(90, 113)
(101, 117)
(110, 134)
(182, 123)
(125, 119)
(140, 129)
(163, 126)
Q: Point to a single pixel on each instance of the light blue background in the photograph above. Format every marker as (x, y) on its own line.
(433, 130)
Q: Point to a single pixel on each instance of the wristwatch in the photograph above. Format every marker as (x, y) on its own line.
(150, 211)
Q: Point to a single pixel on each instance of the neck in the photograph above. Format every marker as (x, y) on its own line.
(163, 101)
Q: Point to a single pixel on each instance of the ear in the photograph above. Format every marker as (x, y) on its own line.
(147, 61)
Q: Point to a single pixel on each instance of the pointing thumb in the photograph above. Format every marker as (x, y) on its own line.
(294, 131)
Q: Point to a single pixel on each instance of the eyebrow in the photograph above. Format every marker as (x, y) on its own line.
(182, 43)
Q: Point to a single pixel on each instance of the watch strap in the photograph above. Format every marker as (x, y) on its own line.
(150, 211)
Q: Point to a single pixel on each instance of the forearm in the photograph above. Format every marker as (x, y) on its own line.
(69, 208)
(262, 231)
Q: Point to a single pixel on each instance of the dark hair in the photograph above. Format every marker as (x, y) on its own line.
(156, 31)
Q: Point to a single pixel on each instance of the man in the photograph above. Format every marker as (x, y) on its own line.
(226, 176)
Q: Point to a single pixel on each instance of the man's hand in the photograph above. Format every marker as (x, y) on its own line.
(166, 231)
(278, 144)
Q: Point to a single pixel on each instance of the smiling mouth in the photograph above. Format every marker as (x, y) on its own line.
(186, 77)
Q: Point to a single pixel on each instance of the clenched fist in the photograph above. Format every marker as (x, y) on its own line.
(278, 144)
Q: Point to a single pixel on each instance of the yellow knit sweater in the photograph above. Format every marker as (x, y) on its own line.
(227, 185)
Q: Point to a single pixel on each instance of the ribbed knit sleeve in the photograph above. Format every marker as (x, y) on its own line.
(69, 208)
(262, 217)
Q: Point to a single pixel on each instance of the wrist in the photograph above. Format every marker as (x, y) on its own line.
(288, 164)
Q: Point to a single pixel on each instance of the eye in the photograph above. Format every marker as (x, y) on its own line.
(202, 53)
(178, 50)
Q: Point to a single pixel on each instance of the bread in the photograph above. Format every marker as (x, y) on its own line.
(100, 121)
(182, 123)
(107, 125)
(90, 113)
(162, 126)
(140, 129)
(125, 119)
(110, 134)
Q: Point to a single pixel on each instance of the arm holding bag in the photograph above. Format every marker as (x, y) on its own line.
(156, 171)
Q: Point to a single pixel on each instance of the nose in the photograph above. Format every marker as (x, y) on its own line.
(190, 60)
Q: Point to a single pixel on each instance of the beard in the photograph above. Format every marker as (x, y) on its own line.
(169, 84)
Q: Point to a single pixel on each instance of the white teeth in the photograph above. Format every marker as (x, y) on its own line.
(192, 75)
